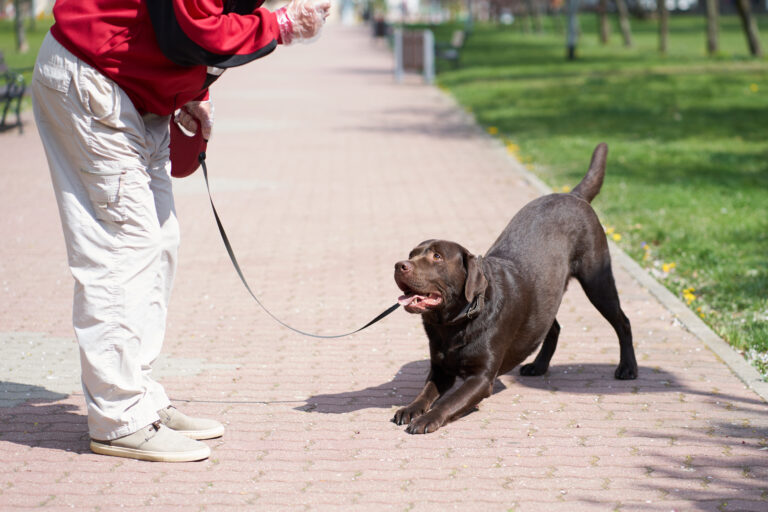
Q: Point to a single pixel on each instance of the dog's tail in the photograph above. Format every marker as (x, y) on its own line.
(590, 185)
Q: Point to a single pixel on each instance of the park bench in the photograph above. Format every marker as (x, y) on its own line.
(451, 51)
(12, 87)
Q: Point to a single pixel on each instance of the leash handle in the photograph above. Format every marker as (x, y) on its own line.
(225, 239)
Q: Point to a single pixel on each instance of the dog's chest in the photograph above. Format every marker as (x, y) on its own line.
(455, 359)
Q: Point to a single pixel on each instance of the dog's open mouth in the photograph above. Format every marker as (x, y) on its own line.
(418, 303)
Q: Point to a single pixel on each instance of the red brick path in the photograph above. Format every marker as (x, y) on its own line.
(325, 173)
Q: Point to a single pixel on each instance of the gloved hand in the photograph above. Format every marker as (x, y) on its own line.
(301, 20)
(201, 111)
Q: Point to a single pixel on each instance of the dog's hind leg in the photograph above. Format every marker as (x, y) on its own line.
(601, 291)
(540, 365)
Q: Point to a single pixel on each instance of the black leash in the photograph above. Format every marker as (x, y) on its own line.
(201, 159)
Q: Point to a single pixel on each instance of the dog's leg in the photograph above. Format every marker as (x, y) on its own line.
(540, 365)
(601, 291)
(438, 383)
(455, 405)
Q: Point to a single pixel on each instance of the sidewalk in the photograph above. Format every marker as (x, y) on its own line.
(326, 173)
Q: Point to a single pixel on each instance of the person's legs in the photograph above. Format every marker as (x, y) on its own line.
(94, 139)
(121, 241)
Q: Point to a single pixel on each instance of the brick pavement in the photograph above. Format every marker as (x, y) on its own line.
(326, 173)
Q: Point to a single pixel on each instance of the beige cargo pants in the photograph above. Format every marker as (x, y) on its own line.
(111, 176)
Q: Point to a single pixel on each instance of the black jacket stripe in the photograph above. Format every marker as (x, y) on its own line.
(181, 50)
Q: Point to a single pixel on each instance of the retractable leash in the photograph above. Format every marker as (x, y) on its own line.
(199, 148)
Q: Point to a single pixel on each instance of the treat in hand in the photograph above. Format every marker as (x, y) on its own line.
(301, 20)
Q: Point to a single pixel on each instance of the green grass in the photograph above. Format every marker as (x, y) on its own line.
(687, 179)
(23, 61)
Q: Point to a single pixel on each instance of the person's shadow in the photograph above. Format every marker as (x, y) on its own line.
(36, 417)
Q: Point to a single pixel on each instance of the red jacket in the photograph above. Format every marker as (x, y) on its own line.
(160, 51)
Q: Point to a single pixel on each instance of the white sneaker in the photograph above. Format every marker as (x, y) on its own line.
(154, 443)
(195, 428)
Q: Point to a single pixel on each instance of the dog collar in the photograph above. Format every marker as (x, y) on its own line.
(470, 311)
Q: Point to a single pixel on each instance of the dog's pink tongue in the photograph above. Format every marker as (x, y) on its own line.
(406, 299)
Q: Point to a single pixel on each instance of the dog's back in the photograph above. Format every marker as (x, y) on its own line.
(557, 227)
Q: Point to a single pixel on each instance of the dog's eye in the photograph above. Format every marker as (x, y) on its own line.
(436, 256)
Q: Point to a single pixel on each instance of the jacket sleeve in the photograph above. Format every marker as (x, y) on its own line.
(216, 33)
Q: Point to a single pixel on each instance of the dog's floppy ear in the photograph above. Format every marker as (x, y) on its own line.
(476, 282)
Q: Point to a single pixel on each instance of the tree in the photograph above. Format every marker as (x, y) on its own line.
(750, 27)
(573, 28)
(712, 30)
(626, 32)
(602, 14)
(663, 25)
(21, 37)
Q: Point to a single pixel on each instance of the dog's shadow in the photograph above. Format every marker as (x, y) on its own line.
(591, 378)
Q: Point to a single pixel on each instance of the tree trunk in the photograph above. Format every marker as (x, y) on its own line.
(573, 28)
(21, 37)
(663, 25)
(750, 28)
(712, 26)
(535, 13)
(470, 25)
(525, 17)
(626, 32)
(602, 15)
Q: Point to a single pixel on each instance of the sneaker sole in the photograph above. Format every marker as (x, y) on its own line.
(132, 453)
(200, 435)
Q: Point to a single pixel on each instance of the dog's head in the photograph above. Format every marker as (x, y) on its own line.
(439, 275)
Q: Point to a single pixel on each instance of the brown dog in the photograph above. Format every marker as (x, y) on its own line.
(486, 315)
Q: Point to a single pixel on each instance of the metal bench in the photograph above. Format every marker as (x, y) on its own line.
(12, 88)
(451, 51)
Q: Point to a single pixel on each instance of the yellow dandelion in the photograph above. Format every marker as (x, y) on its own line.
(566, 189)
(609, 230)
(493, 130)
(753, 87)
(513, 148)
(616, 237)
(665, 267)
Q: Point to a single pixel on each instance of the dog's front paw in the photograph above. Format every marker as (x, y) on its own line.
(405, 415)
(426, 424)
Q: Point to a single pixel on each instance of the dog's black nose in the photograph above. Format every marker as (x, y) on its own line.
(404, 266)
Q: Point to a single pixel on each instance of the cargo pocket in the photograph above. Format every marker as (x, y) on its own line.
(99, 96)
(105, 191)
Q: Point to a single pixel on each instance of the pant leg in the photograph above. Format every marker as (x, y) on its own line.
(101, 159)
(159, 169)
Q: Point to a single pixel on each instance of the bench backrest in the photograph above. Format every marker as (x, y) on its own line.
(457, 39)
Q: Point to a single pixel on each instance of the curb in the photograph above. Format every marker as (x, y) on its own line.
(724, 352)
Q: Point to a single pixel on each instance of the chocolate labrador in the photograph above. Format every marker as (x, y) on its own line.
(485, 315)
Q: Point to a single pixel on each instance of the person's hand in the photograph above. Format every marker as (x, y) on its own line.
(301, 20)
(196, 111)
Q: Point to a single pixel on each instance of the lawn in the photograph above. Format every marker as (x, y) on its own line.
(686, 192)
(23, 61)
